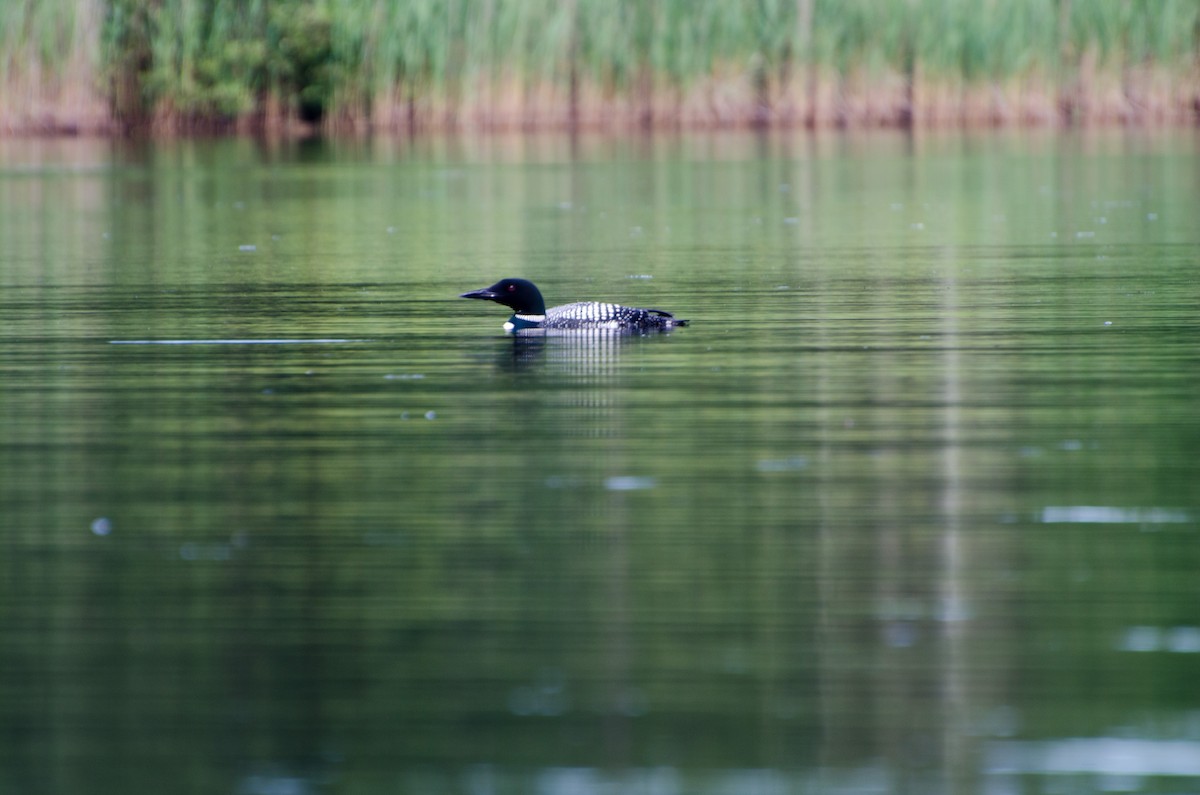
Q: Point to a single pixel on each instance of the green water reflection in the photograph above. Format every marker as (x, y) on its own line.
(910, 507)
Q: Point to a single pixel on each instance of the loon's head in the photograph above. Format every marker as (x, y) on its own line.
(521, 295)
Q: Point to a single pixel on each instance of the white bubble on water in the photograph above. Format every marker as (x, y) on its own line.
(1184, 640)
(629, 483)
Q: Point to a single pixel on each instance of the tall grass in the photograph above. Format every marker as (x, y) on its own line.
(48, 55)
(506, 63)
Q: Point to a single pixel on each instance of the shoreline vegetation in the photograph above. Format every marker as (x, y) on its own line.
(171, 67)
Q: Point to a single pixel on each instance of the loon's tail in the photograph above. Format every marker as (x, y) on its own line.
(668, 320)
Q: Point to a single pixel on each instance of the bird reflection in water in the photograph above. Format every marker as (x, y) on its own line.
(591, 353)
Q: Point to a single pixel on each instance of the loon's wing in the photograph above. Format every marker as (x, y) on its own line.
(594, 314)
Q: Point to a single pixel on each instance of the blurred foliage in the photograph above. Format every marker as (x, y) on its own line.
(225, 60)
(214, 61)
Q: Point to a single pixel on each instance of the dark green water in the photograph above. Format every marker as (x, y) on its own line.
(911, 506)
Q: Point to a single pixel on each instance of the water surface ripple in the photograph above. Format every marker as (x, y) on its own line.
(910, 506)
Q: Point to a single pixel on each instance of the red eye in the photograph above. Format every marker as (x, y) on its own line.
(512, 288)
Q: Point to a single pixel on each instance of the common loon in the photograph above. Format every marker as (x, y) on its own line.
(530, 312)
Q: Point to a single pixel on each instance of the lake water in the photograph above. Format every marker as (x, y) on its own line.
(911, 506)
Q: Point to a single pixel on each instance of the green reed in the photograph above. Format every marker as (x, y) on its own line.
(196, 62)
(49, 55)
